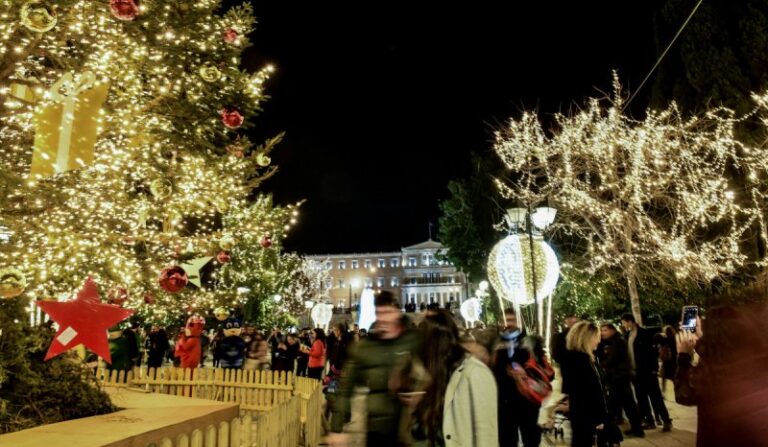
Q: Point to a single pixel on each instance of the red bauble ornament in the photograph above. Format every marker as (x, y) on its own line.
(231, 117)
(124, 9)
(231, 35)
(149, 298)
(266, 241)
(83, 321)
(223, 257)
(173, 279)
(117, 296)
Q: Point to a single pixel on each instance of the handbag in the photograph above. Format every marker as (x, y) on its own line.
(535, 385)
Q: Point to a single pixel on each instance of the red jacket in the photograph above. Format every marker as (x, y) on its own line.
(317, 355)
(188, 350)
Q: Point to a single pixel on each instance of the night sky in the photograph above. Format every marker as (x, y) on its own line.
(383, 101)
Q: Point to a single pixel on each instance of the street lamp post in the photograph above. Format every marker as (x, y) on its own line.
(538, 221)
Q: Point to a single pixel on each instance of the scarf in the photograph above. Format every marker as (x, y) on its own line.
(511, 339)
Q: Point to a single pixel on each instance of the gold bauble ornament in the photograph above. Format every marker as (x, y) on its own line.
(12, 282)
(210, 72)
(227, 242)
(221, 313)
(263, 160)
(161, 188)
(38, 16)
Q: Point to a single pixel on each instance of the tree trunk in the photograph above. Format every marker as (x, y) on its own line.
(634, 297)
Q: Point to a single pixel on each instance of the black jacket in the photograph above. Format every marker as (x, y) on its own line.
(645, 351)
(587, 398)
(614, 358)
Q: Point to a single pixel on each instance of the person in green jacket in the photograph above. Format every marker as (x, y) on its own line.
(371, 364)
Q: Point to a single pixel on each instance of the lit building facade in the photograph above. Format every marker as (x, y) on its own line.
(414, 275)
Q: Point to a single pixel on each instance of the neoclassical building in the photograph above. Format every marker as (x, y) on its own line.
(414, 274)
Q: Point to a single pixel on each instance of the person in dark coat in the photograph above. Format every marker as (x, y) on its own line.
(302, 359)
(729, 385)
(559, 350)
(157, 345)
(518, 417)
(614, 360)
(644, 358)
(588, 407)
(285, 355)
(668, 355)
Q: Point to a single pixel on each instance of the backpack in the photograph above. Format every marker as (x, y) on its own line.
(536, 384)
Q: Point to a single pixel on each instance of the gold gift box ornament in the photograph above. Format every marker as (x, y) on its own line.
(67, 125)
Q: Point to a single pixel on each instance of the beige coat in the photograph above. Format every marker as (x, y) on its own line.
(470, 414)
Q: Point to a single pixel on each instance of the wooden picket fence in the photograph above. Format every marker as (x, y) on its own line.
(311, 409)
(277, 409)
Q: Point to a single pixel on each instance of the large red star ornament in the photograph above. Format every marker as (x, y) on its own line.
(84, 320)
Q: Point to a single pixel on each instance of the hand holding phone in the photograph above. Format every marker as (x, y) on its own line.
(690, 318)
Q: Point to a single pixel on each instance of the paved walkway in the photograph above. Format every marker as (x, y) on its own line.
(683, 432)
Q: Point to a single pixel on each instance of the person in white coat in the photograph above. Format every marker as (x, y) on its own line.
(458, 407)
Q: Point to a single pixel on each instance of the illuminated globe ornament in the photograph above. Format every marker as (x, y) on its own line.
(38, 16)
(12, 282)
(509, 269)
(321, 314)
(471, 310)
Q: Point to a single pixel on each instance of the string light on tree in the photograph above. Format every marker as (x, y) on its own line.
(645, 198)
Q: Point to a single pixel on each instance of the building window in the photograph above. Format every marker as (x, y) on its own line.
(394, 282)
(355, 264)
(342, 265)
(394, 262)
(382, 263)
(379, 282)
(367, 263)
(412, 262)
(328, 265)
(341, 284)
(328, 283)
(369, 283)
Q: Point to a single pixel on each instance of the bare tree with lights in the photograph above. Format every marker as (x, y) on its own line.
(641, 199)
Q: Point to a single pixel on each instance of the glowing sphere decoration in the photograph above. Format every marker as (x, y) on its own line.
(321, 314)
(509, 269)
(471, 310)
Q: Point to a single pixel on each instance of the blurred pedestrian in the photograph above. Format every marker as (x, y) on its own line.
(458, 406)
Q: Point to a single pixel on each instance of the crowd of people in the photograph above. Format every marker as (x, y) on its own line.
(433, 384)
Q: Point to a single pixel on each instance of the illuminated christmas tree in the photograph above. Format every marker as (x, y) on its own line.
(122, 153)
(641, 200)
